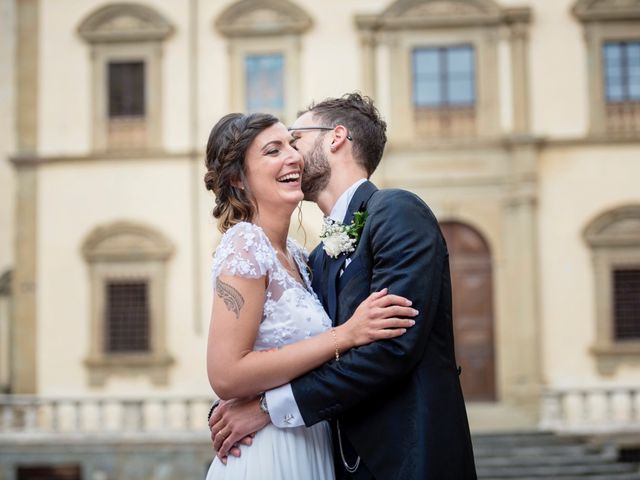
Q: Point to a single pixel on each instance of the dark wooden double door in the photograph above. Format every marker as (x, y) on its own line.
(471, 279)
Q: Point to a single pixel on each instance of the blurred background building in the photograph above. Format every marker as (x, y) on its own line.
(517, 121)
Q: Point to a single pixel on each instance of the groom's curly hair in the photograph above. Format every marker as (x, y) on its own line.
(227, 147)
(360, 116)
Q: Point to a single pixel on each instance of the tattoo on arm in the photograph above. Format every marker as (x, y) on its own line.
(232, 297)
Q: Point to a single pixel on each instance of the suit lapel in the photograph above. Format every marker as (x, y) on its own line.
(358, 202)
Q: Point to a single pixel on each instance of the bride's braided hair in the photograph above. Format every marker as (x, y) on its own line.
(227, 147)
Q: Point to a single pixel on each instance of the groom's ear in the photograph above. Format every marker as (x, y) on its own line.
(340, 136)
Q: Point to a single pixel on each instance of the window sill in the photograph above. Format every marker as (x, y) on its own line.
(154, 366)
(609, 357)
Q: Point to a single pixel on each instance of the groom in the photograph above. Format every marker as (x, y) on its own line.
(395, 406)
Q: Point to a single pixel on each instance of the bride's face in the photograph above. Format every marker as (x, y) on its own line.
(274, 168)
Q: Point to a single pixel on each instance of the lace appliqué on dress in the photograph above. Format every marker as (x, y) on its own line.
(291, 311)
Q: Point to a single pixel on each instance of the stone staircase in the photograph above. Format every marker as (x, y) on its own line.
(538, 455)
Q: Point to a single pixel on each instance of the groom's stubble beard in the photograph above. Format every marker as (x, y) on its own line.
(316, 173)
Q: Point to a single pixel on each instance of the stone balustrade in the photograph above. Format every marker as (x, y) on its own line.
(591, 410)
(102, 417)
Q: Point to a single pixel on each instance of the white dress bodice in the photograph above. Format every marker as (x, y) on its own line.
(292, 311)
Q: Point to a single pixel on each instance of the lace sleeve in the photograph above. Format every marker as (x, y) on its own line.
(244, 251)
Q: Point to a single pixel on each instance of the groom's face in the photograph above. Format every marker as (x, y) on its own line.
(310, 143)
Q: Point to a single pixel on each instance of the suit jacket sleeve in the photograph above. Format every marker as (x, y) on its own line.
(408, 258)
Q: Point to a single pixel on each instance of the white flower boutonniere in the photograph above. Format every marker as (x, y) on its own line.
(338, 239)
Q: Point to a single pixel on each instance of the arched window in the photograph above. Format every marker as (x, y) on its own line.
(127, 267)
(614, 239)
(264, 55)
(126, 51)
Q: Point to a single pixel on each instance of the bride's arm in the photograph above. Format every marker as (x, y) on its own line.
(236, 371)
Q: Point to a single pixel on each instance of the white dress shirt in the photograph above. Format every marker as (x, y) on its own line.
(283, 409)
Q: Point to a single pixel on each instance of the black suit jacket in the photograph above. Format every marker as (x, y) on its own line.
(399, 401)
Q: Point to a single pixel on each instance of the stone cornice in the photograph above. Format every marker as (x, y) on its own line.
(419, 14)
(607, 10)
(247, 18)
(124, 22)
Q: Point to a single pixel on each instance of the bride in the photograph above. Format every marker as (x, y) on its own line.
(267, 325)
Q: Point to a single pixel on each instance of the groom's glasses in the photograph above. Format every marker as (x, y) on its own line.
(297, 129)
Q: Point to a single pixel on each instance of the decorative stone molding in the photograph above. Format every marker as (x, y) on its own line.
(605, 20)
(614, 238)
(126, 32)
(125, 250)
(405, 14)
(263, 17)
(606, 10)
(264, 27)
(124, 22)
(124, 241)
(618, 228)
(409, 24)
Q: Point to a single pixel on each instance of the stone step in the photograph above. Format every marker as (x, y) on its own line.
(556, 471)
(533, 451)
(615, 476)
(525, 461)
(544, 439)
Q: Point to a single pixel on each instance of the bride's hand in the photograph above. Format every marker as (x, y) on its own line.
(377, 318)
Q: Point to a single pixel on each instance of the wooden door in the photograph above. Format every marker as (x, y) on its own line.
(471, 279)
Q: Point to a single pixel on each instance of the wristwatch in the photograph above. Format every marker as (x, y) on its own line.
(263, 404)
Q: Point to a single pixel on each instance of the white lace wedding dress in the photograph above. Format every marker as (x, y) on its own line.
(292, 312)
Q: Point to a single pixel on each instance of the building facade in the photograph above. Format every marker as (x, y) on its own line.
(517, 121)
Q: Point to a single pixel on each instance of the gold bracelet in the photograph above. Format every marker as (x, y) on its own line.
(335, 341)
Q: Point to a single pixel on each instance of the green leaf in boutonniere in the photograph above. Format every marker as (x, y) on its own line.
(354, 230)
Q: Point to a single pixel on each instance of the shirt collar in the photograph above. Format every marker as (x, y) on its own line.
(339, 210)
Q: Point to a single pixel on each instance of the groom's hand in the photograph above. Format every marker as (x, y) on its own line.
(235, 421)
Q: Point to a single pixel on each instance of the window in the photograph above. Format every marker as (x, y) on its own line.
(613, 48)
(265, 83)
(127, 125)
(126, 52)
(126, 89)
(437, 63)
(264, 55)
(444, 91)
(127, 266)
(127, 317)
(621, 62)
(614, 239)
(626, 304)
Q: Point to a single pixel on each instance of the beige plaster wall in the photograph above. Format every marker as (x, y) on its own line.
(7, 132)
(576, 185)
(558, 71)
(76, 198)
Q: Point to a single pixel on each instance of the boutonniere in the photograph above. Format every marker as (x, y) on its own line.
(338, 238)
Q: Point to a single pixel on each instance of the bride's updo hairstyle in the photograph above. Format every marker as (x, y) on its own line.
(227, 147)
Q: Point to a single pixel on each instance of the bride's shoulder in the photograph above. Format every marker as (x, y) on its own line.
(243, 250)
(246, 232)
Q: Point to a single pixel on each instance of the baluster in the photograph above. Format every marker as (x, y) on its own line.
(55, 413)
(7, 417)
(164, 415)
(30, 415)
(140, 418)
(586, 413)
(77, 410)
(100, 427)
(633, 411)
(187, 414)
(608, 400)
